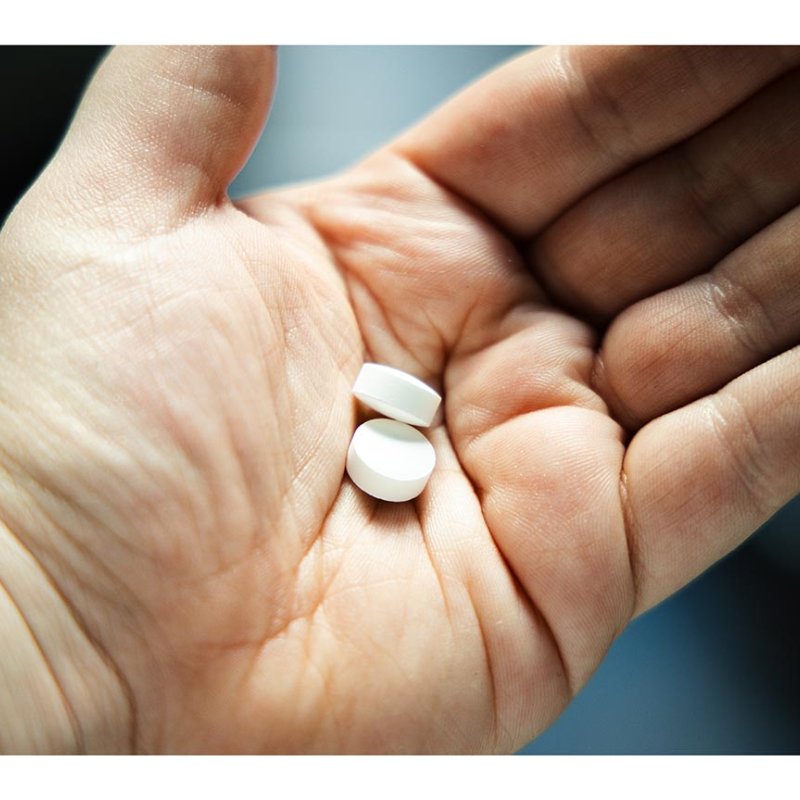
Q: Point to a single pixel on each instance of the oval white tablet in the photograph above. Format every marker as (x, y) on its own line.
(396, 394)
(390, 460)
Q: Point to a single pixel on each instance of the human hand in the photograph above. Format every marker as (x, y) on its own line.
(591, 252)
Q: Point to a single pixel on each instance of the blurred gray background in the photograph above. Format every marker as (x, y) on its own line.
(715, 669)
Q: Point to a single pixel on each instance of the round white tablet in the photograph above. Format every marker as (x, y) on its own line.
(390, 460)
(396, 394)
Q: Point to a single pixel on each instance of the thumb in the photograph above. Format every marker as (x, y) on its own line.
(161, 132)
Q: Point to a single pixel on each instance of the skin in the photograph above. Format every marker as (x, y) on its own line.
(591, 252)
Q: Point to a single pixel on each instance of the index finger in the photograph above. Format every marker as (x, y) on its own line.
(532, 137)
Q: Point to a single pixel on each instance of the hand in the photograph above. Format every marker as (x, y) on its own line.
(592, 252)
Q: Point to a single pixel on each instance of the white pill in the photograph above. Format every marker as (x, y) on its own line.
(396, 394)
(390, 460)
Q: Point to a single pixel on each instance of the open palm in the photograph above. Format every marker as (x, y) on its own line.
(589, 253)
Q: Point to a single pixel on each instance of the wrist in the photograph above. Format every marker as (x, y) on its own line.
(59, 692)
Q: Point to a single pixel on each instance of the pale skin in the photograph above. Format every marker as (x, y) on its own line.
(592, 252)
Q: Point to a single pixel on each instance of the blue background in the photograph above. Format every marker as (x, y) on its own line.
(716, 668)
